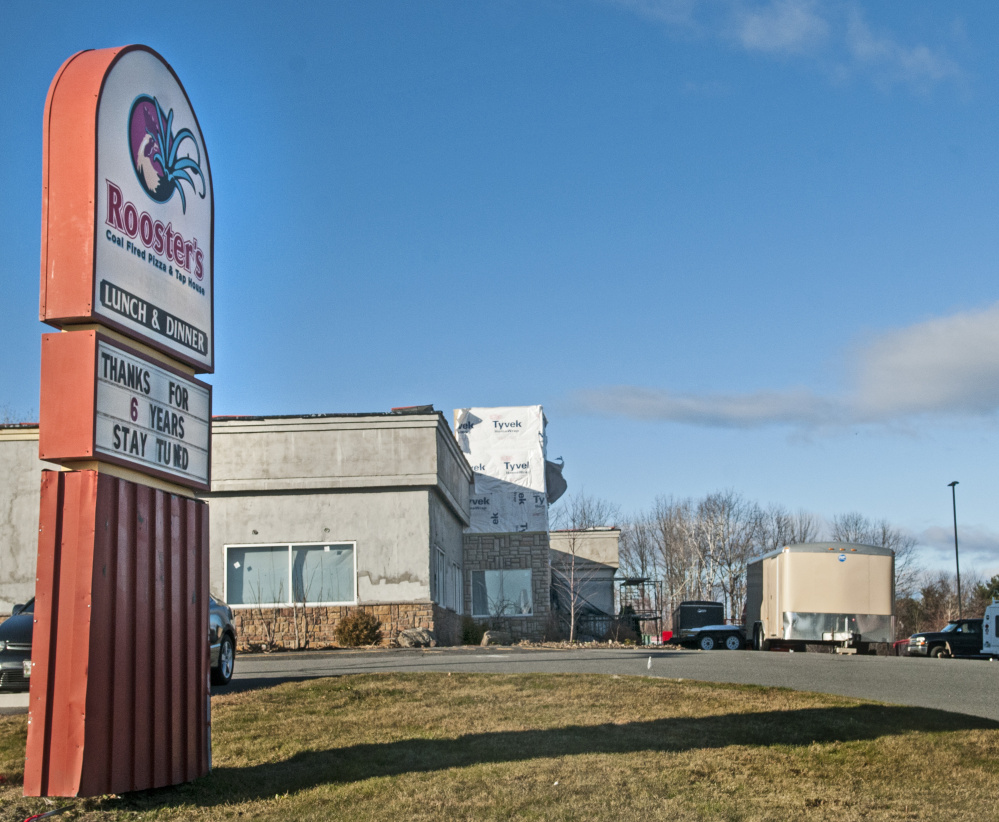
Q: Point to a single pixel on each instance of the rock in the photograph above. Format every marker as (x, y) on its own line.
(497, 638)
(417, 638)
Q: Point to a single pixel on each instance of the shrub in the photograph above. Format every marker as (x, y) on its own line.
(358, 628)
(623, 630)
(471, 631)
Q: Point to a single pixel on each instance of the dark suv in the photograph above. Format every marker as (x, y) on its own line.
(961, 637)
(16, 633)
(15, 647)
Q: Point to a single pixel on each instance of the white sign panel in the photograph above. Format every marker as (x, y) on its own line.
(506, 449)
(154, 213)
(151, 417)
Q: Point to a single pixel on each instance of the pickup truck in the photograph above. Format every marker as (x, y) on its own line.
(960, 637)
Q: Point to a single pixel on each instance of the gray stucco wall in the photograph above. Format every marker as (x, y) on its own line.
(598, 544)
(390, 529)
(20, 493)
(397, 485)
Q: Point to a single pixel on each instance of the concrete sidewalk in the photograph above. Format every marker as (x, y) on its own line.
(14, 703)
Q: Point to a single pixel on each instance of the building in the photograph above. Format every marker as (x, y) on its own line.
(311, 516)
(584, 563)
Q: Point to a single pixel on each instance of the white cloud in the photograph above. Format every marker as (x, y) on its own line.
(948, 365)
(891, 61)
(795, 407)
(978, 547)
(835, 36)
(784, 26)
(944, 367)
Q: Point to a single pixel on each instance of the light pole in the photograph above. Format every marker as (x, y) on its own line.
(957, 558)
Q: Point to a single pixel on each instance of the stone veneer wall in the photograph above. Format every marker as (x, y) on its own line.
(497, 552)
(447, 626)
(255, 625)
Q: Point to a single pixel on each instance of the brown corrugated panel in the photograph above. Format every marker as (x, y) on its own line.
(120, 682)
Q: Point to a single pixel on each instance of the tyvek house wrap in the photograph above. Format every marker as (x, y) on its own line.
(506, 449)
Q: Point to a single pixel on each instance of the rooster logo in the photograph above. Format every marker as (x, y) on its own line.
(159, 166)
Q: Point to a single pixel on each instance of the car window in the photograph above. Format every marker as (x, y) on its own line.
(949, 628)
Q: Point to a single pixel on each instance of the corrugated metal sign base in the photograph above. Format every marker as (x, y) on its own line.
(119, 686)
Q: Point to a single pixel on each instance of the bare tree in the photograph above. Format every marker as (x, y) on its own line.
(573, 572)
(727, 528)
(638, 555)
(672, 526)
(778, 527)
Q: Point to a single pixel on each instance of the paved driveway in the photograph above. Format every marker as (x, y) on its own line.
(964, 686)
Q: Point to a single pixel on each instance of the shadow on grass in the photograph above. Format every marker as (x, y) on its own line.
(238, 686)
(359, 762)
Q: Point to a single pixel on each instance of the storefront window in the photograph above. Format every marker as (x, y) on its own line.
(319, 574)
(501, 593)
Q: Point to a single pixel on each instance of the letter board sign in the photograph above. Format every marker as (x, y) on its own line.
(124, 408)
(128, 209)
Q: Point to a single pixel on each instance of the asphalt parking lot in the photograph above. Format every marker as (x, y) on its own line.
(965, 686)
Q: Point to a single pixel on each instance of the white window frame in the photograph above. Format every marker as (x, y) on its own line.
(291, 553)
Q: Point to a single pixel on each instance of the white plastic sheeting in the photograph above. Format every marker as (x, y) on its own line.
(506, 449)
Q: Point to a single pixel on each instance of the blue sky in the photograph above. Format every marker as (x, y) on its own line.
(725, 244)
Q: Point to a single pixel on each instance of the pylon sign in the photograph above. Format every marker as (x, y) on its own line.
(119, 695)
(127, 205)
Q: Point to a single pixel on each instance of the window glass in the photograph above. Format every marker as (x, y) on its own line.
(257, 575)
(322, 573)
(501, 593)
(285, 574)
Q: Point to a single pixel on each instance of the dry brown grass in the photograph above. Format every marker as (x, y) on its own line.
(426, 746)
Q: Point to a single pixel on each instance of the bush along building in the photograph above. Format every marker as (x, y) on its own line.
(394, 514)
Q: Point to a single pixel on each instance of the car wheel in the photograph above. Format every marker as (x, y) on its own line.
(733, 642)
(222, 673)
(706, 643)
(938, 652)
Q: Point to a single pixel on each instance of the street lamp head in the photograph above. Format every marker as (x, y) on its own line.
(952, 484)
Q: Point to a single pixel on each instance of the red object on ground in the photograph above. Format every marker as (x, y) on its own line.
(119, 684)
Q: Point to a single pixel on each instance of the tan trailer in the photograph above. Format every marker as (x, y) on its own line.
(835, 593)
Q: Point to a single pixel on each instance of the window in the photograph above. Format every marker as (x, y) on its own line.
(447, 582)
(440, 574)
(456, 592)
(311, 574)
(501, 593)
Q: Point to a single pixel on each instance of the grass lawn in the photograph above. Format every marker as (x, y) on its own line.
(543, 746)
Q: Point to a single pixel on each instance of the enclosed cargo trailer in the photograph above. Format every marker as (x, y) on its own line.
(833, 593)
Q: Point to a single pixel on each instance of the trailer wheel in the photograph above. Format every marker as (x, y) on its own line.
(733, 642)
(706, 643)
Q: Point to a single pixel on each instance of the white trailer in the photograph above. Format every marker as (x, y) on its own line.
(834, 593)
